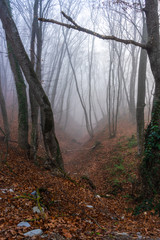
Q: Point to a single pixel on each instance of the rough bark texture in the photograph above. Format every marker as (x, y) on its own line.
(22, 99)
(150, 168)
(51, 143)
(141, 93)
(33, 103)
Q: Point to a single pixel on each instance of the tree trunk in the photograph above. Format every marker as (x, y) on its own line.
(21, 94)
(4, 114)
(141, 93)
(33, 103)
(50, 140)
(22, 99)
(150, 167)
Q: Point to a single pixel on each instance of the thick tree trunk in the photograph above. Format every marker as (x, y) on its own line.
(50, 140)
(150, 167)
(22, 99)
(21, 94)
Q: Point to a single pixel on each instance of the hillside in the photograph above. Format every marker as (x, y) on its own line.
(94, 201)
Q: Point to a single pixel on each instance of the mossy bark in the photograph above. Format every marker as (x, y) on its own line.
(150, 167)
(22, 99)
(49, 137)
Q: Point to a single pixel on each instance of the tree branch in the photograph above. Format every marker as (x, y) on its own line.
(75, 26)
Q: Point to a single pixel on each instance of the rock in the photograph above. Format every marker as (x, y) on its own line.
(122, 236)
(10, 190)
(34, 194)
(37, 210)
(35, 232)
(139, 235)
(5, 190)
(89, 206)
(98, 196)
(23, 224)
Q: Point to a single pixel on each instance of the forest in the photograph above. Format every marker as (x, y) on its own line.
(79, 119)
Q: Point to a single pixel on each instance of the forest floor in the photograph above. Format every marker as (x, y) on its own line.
(94, 201)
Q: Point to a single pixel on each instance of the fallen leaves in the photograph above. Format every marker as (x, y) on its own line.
(65, 203)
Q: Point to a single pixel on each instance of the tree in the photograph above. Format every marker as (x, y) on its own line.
(50, 140)
(4, 114)
(141, 92)
(36, 62)
(150, 167)
(21, 94)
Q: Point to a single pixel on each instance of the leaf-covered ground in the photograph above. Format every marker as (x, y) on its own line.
(95, 201)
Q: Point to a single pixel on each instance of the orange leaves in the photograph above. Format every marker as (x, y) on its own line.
(66, 233)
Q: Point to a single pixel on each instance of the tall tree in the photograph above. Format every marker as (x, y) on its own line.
(141, 92)
(50, 140)
(150, 167)
(36, 62)
(21, 94)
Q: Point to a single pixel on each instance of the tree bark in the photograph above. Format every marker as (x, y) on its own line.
(21, 94)
(48, 130)
(150, 167)
(33, 103)
(141, 92)
(22, 99)
(4, 114)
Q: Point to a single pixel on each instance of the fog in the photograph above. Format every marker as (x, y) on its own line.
(85, 78)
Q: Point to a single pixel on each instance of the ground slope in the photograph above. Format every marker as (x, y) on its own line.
(95, 206)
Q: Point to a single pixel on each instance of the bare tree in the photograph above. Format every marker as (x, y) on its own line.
(22, 96)
(50, 140)
(141, 92)
(4, 114)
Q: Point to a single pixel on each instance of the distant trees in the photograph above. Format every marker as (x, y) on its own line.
(150, 167)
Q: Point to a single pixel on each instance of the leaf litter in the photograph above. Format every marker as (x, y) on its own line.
(110, 166)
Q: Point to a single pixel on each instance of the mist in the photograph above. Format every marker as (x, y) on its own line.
(86, 79)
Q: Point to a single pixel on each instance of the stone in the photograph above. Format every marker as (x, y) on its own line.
(122, 234)
(10, 190)
(89, 206)
(98, 196)
(35, 232)
(37, 210)
(139, 235)
(23, 224)
(34, 194)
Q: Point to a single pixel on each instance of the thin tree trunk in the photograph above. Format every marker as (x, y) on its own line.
(33, 102)
(141, 93)
(4, 114)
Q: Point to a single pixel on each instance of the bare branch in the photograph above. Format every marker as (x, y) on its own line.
(75, 26)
